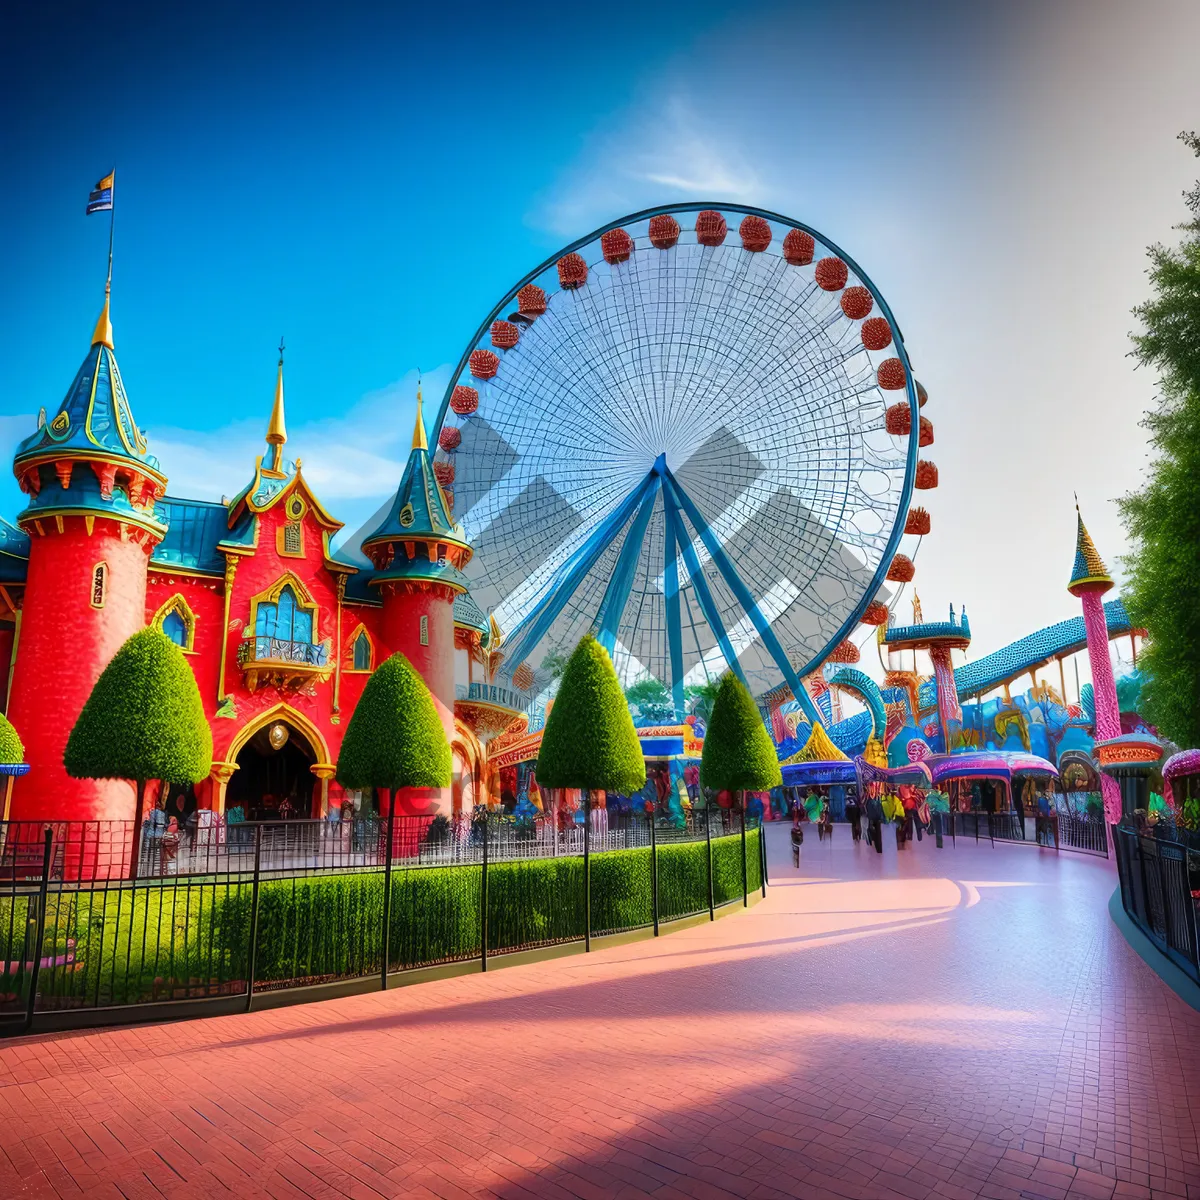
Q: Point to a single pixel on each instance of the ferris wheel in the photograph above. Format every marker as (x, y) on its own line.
(695, 433)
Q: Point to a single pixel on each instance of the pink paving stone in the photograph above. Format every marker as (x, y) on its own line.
(960, 1024)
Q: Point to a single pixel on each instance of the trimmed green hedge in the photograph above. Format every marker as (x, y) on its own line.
(192, 937)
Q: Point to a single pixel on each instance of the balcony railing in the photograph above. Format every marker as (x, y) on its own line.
(276, 650)
(490, 693)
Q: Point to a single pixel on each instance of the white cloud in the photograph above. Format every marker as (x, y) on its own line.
(672, 144)
(352, 461)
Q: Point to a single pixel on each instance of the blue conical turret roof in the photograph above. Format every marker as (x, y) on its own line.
(93, 424)
(419, 513)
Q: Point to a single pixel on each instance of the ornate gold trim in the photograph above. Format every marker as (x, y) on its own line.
(177, 603)
(280, 712)
(349, 650)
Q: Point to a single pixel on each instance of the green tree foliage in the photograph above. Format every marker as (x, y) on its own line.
(701, 698)
(11, 750)
(590, 741)
(144, 719)
(651, 700)
(555, 663)
(1163, 518)
(738, 752)
(395, 738)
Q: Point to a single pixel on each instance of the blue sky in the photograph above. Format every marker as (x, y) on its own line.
(367, 180)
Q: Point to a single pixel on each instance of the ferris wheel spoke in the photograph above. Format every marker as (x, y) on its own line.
(616, 596)
(571, 574)
(734, 583)
(674, 624)
(710, 611)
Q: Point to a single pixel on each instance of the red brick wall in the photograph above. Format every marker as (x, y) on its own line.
(6, 648)
(402, 613)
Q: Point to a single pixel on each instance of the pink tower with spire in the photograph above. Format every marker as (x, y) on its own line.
(1089, 581)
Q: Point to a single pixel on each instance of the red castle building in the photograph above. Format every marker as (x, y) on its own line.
(281, 631)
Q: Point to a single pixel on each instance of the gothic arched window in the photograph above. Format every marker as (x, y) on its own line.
(176, 619)
(362, 651)
(285, 619)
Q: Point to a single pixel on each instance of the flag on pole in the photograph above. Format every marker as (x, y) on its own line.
(101, 198)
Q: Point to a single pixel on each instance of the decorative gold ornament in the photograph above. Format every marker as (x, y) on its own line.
(278, 736)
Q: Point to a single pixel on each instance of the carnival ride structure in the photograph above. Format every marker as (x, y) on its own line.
(1038, 722)
(694, 431)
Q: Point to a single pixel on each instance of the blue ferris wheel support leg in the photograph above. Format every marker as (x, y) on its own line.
(703, 595)
(616, 595)
(744, 598)
(534, 627)
(674, 624)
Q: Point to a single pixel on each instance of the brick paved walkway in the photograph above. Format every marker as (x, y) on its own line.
(956, 1024)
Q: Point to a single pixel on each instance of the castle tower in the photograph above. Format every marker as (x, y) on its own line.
(91, 520)
(419, 555)
(1089, 581)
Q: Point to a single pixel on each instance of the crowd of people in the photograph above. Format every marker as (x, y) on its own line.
(912, 810)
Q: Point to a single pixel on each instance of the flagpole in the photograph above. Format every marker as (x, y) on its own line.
(112, 220)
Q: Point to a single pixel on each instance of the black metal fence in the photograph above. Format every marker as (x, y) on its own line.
(1160, 885)
(293, 906)
(1055, 831)
(209, 845)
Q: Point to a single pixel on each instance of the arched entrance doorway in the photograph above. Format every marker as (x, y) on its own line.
(274, 777)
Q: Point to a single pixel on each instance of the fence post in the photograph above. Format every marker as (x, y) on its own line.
(587, 872)
(762, 855)
(254, 916)
(39, 930)
(483, 897)
(712, 915)
(745, 876)
(653, 871)
(387, 893)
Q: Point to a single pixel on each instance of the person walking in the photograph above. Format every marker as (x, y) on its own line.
(797, 837)
(854, 816)
(875, 823)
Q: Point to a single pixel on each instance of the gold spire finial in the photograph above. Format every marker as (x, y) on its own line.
(419, 441)
(102, 335)
(277, 430)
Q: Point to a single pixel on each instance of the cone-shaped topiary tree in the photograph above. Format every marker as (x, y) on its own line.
(590, 742)
(395, 738)
(144, 720)
(12, 752)
(11, 749)
(739, 755)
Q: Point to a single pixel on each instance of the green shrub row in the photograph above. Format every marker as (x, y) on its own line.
(193, 938)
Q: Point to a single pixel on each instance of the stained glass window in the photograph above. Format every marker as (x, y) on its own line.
(284, 620)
